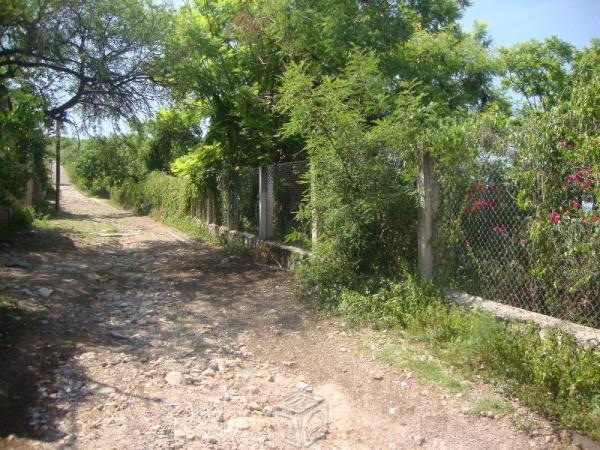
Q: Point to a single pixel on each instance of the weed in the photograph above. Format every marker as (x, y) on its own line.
(236, 248)
(492, 403)
(6, 302)
(422, 365)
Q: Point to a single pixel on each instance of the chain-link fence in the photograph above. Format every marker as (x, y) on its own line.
(289, 187)
(494, 248)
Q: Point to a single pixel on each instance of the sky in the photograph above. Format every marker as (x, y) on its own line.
(512, 21)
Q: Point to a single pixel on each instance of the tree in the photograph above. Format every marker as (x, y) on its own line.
(172, 133)
(538, 71)
(97, 55)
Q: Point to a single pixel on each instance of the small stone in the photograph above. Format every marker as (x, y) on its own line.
(179, 434)
(343, 349)
(419, 440)
(239, 423)
(271, 379)
(393, 411)
(175, 378)
(301, 385)
(377, 376)
(106, 390)
(289, 363)
(226, 397)
(254, 406)
(268, 411)
(208, 373)
(17, 263)
(118, 335)
(45, 292)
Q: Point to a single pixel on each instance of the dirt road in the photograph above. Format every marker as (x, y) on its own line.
(126, 335)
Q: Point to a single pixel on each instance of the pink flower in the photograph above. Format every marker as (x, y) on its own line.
(500, 229)
(553, 216)
(575, 204)
(563, 142)
(523, 242)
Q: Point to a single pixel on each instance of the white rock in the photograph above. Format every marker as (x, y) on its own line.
(419, 440)
(45, 292)
(179, 434)
(393, 411)
(105, 390)
(175, 378)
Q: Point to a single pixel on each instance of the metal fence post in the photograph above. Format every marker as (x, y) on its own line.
(265, 188)
(429, 203)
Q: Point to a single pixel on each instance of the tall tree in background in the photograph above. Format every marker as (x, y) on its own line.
(96, 55)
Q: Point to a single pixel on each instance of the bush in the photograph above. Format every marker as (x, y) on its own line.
(21, 147)
(105, 163)
(22, 218)
(165, 195)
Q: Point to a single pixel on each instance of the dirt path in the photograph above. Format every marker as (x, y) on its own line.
(151, 341)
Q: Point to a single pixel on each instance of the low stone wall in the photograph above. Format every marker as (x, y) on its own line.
(270, 252)
(586, 336)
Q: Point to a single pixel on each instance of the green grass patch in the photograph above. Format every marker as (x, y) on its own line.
(422, 365)
(492, 403)
(111, 229)
(6, 301)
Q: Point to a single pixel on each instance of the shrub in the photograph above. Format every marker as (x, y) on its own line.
(22, 218)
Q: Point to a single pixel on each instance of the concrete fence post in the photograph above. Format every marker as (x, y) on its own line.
(210, 207)
(429, 203)
(313, 196)
(265, 189)
(232, 209)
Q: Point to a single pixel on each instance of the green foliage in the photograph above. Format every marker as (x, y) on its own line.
(105, 162)
(21, 146)
(164, 195)
(172, 133)
(358, 194)
(539, 71)
(201, 167)
(22, 218)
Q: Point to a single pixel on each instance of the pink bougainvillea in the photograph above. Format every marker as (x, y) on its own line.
(553, 216)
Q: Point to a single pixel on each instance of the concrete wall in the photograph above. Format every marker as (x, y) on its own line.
(270, 252)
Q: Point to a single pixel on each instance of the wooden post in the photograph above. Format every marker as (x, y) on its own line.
(265, 189)
(57, 143)
(429, 203)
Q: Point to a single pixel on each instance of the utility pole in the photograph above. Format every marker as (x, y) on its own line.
(57, 168)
